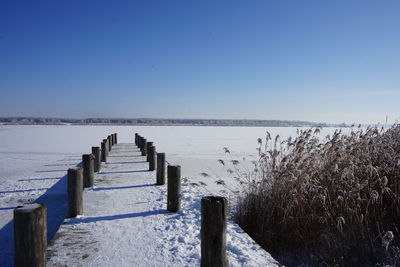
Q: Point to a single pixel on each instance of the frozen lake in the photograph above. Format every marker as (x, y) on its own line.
(22, 145)
(34, 158)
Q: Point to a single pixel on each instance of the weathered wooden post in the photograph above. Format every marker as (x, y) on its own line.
(148, 145)
(213, 231)
(104, 151)
(75, 192)
(140, 142)
(115, 138)
(88, 170)
(109, 143)
(151, 158)
(30, 240)
(160, 168)
(97, 158)
(144, 147)
(174, 188)
(136, 139)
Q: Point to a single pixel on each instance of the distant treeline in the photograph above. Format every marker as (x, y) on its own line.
(166, 122)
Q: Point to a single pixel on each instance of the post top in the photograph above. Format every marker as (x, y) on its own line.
(214, 199)
(28, 208)
(75, 169)
(174, 166)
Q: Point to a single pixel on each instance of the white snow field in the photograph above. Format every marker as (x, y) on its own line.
(125, 221)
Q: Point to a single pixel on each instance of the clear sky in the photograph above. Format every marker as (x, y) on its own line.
(326, 61)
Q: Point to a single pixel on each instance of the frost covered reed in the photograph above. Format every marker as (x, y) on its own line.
(325, 201)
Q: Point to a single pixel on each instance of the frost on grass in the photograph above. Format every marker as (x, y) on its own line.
(326, 200)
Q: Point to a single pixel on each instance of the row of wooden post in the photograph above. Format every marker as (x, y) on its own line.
(157, 162)
(30, 223)
(81, 178)
(106, 146)
(213, 208)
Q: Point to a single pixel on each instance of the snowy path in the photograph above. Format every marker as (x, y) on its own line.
(125, 223)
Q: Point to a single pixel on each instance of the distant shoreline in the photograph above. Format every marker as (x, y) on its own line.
(161, 122)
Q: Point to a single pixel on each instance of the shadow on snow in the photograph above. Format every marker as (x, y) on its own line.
(123, 172)
(121, 187)
(38, 179)
(126, 162)
(55, 199)
(117, 217)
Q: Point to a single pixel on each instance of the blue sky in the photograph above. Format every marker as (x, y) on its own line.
(326, 61)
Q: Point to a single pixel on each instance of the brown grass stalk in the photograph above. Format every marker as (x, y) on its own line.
(326, 201)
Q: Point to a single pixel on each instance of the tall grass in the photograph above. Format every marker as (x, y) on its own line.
(325, 201)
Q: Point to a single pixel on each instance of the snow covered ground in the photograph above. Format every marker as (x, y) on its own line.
(126, 223)
(33, 164)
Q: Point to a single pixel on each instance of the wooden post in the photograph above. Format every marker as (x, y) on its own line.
(88, 170)
(213, 231)
(142, 139)
(136, 139)
(174, 188)
(75, 192)
(103, 151)
(144, 147)
(148, 145)
(97, 158)
(115, 138)
(106, 141)
(30, 240)
(140, 142)
(109, 143)
(160, 168)
(151, 158)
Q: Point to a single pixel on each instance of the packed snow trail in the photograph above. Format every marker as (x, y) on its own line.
(125, 223)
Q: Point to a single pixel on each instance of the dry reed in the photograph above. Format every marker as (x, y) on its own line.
(331, 201)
